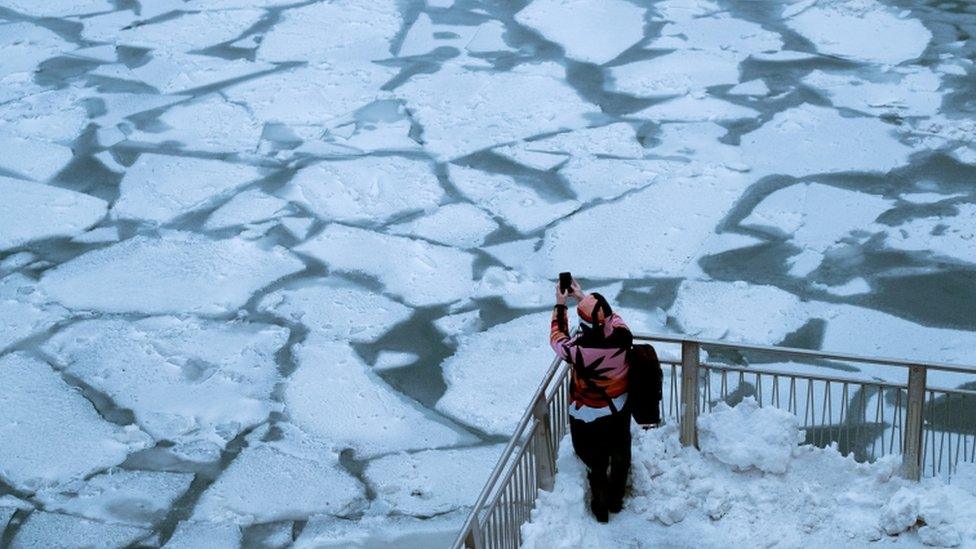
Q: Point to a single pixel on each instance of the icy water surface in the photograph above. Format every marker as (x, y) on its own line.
(280, 272)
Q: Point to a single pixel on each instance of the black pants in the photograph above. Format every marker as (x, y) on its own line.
(604, 444)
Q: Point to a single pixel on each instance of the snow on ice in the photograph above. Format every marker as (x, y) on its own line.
(32, 211)
(592, 31)
(176, 273)
(191, 534)
(460, 225)
(57, 531)
(245, 208)
(676, 73)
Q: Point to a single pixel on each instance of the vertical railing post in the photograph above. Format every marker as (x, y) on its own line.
(475, 539)
(690, 359)
(545, 459)
(911, 465)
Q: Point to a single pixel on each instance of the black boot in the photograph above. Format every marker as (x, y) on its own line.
(598, 497)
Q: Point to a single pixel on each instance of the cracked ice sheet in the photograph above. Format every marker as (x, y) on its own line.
(421, 273)
(187, 32)
(591, 31)
(251, 206)
(336, 309)
(676, 73)
(809, 139)
(175, 273)
(380, 531)
(661, 236)
(862, 30)
(335, 397)
(291, 478)
(31, 211)
(24, 311)
(359, 32)
(55, 116)
(520, 206)
(212, 535)
(718, 32)
(61, 8)
(751, 313)
(815, 217)
(174, 72)
(461, 225)
(912, 92)
(421, 37)
(57, 531)
(136, 498)
(311, 95)
(463, 111)
(209, 124)
(371, 189)
(33, 158)
(159, 188)
(196, 383)
(23, 46)
(431, 482)
(695, 109)
(947, 236)
(41, 416)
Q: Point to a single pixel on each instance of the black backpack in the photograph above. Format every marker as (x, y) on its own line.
(644, 384)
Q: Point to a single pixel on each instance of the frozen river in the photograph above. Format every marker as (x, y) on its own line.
(278, 272)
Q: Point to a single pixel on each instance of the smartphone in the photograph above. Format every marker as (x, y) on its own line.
(565, 282)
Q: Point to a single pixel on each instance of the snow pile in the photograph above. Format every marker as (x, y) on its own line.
(753, 485)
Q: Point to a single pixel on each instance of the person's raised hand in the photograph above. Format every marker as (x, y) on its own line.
(576, 290)
(560, 296)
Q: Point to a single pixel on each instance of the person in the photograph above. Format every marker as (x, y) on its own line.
(599, 423)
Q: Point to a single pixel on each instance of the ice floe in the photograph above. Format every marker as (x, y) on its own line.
(175, 273)
(175, 72)
(56, 116)
(137, 498)
(210, 124)
(461, 225)
(807, 140)
(519, 205)
(431, 482)
(24, 311)
(512, 357)
(752, 87)
(184, 33)
(902, 93)
(865, 30)
(42, 416)
(335, 309)
(195, 383)
(57, 531)
(463, 111)
(380, 531)
(158, 187)
(335, 397)
(33, 158)
(32, 211)
(718, 32)
(949, 236)
(419, 272)
(696, 109)
(676, 73)
(391, 360)
(24, 45)
(592, 31)
(251, 206)
(424, 36)
(191, 534)
(291, 478)
(366, 189)
(58, 9)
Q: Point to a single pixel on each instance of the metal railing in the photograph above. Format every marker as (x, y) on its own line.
(868, 418)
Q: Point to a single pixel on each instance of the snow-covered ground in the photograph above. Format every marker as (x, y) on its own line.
(753, 485)
(278, 272)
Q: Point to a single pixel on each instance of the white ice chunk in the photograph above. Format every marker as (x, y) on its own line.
(98, 236)
(137, 498)
(618, 139)
(33, 158)
(334, 309)
(949, 236)
(56, 116)
(23, 46)
(119, 106)
(105, 53)
(42, 417)
(179, 272)
(173, 72)
(62, 8)
(914, 93)
(189, 31)
(520, 206)
(251, 206)
(767, 444)
(32, 211)
(752, 87)
(661, 235)
(491, 377)
(334, 396)
(696, 109)
(855, 286)
(489, 38)
(593, 31)
(380, 531)
(358, 31)
(297, 226)
(311, 95)
(288, 479)
(464, 111)
(808, 139)
(461, 225)
(928, 197)
(865, 30)
(521, 154)
(158, 188)
(517, 290)
(607, 178)
(460, 323)
(421, 273)
(196, 383)
(421, 37)
(432, 482)
(212, 535)
(391, 360)
(24, 311)
(366, 189)
(676, 73)
(57, 531)
(209, 124)
(749, 313)
(718, 32)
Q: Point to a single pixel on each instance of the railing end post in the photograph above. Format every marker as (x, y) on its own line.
(911, 465)
(690, 360)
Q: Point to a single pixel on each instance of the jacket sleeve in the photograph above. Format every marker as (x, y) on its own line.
(559, 332)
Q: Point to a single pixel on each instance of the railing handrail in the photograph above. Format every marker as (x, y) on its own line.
(519, 440)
